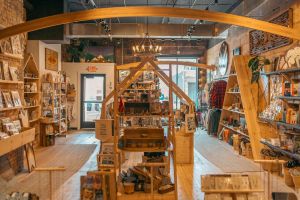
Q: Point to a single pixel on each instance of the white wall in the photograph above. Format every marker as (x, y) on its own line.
(74, 71)
(37, 48)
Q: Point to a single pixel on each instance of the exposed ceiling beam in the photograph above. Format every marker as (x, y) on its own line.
(81, 30)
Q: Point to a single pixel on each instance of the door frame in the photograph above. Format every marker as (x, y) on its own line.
(81, 105)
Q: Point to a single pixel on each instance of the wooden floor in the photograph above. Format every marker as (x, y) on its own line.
(189, 183)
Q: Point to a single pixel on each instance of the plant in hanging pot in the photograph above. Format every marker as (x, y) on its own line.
(256, 64)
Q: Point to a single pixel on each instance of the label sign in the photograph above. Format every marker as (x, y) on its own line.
(91, 68)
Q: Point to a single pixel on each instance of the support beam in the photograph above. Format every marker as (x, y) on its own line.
(177, 31)
(140, 11)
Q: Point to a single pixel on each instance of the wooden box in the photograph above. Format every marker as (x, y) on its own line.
(184, 148)
(13, 142)
(143, 138)
(104, 130)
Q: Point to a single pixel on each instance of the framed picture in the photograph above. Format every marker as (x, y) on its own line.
(14, 73)
(190, 125)
(148, 75)
(16, 98)
(16, 45)
(106, 160)
(24, 118)
(107, 148)
(5, 70)
(51, 60)
(7, 99)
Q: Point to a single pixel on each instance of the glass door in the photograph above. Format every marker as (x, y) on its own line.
(92, 95)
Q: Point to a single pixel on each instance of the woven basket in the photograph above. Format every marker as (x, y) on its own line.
(288, 179)
(128, 188)
(268, 68)
(271, 167)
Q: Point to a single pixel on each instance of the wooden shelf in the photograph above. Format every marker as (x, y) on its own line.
(284, 152)
(294, 99)
(31, 92)
(141, 149)
(29, 107)
(34, 120)
(232, 191)
(279, 72)
(291, 126)
(233, 111)
(12, 56)
(12, 108)
(26, 136)
(10, 82)
(233, 93)
(234, 130)
(31, 78)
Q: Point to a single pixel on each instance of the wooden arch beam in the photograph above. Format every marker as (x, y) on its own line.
(142, 11)
(191, 64)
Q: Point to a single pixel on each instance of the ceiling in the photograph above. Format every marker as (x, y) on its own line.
(214, 5)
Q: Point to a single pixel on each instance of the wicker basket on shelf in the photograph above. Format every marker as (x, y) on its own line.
(128, 188)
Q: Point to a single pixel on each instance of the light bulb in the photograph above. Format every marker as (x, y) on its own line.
(133, 48)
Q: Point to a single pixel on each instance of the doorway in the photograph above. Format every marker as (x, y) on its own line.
(92, 95)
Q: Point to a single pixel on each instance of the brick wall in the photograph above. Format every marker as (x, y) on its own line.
(12, 12)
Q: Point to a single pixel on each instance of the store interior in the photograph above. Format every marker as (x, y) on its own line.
(162, 99)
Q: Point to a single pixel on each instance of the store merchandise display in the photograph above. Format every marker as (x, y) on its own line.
(19, 196)
(234, 186)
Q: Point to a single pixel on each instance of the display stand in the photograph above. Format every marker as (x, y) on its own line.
(32, 94)
(139, 147)
(54, 109)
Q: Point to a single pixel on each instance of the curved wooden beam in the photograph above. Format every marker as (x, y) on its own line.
(191, 64)
(142, 11)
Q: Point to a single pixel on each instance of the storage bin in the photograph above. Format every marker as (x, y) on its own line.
(128, 188)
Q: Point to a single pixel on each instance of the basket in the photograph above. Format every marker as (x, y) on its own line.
(288, 179)
(128, 188)
(268, 68)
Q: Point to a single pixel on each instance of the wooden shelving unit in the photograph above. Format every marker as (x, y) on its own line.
(31, 94)
(233, 108)
(54, 111)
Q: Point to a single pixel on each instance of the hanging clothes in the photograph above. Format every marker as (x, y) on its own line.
(217, 93)
(214, 116)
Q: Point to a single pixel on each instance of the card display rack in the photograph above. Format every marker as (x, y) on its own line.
(54, 108)
(32, 94)
(17, 132)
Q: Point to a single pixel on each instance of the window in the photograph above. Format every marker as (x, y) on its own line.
(184, 76)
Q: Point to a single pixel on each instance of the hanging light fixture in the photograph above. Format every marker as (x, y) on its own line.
(146, 46)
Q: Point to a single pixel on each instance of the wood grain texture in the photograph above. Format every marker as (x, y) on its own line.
(142, 11)
(191, 64)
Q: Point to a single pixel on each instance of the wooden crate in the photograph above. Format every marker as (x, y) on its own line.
(150, 139)
(104, 130)
(184, 148)
(16, 141)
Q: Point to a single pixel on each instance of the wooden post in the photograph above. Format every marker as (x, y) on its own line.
(172, 131)
(116, 124)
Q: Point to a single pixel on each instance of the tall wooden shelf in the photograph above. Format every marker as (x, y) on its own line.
(31, 93)
(233, 109)
(54, 109)
(248, 96)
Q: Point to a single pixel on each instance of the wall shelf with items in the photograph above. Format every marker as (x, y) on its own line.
(232, 121)
(32, 94)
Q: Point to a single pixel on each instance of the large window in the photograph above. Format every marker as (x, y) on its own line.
(184, 76)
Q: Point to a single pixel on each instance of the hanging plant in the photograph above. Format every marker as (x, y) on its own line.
(256, 64)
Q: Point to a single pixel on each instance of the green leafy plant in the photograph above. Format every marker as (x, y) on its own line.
(256, 64)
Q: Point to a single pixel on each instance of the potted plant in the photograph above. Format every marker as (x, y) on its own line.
(256, 64)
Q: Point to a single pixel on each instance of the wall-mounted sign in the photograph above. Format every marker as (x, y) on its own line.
(91, 68)
(262, 41)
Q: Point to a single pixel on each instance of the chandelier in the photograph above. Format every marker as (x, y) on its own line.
(146, 46)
